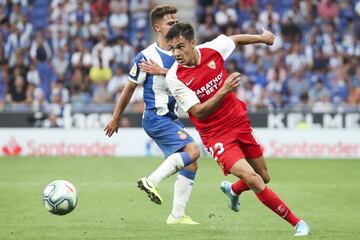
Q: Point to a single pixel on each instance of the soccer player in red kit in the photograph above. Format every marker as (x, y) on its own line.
(203, 88)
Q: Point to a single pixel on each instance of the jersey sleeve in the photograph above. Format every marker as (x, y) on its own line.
(222, 44)
(185, 97)
(136, 75)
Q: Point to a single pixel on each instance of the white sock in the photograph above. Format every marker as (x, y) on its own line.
(171, 165)
(182, 192)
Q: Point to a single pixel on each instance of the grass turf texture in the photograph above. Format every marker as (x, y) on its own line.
(324, 192)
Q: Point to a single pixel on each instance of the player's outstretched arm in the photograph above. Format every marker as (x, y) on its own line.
(203, 110)
(266, 37)
(152, 68)
(124, 99)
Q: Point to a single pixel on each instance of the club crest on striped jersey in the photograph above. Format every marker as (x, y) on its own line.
(182, 135)
(212, 64)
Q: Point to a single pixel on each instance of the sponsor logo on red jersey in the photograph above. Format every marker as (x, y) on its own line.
(210, 87)
(12, 148)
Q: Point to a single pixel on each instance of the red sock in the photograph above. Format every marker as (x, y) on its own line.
(272, 201)
(239, 187)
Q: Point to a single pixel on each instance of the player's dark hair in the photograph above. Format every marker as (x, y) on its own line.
(181, 29)
(160, 11)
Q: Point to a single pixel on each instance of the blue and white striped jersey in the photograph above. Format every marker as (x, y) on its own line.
(157, 95)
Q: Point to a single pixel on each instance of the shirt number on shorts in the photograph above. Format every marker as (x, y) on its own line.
(217, 150)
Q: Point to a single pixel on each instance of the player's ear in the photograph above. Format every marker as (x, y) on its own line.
(156, 27)
(193, 42)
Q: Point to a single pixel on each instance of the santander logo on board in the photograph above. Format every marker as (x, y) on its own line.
(12, 148)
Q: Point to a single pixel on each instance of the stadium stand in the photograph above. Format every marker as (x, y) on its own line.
(314, 63)
(68, 51)
(79, 52)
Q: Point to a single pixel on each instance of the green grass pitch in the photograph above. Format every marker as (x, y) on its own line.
(326, 193)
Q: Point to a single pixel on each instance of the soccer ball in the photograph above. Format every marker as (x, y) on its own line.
(60, 197)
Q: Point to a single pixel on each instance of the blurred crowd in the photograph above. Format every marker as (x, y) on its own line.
(314, 64)
(79, 52)
(68, 51)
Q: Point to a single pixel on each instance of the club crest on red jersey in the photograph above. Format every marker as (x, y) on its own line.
(212, 64)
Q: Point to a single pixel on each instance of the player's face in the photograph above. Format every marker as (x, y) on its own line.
(183, 50)
(165, 24)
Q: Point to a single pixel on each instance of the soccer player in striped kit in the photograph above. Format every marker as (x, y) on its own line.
(160, 120)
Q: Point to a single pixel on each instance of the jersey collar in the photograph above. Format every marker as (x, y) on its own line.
(162, 50)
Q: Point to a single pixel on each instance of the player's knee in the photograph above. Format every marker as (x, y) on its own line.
(193, 150)
(252, 179)
(196, 154)
(249, 176)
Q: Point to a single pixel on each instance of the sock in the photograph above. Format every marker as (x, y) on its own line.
(272, 201)
(171, 165)
(239, 187)
(182, 191)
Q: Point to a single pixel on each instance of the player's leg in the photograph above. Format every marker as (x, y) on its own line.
(179, 149)
(182, 192)
(170, 166)
(259, 166)
(170, 138)
(254, 155)
(237, 187)
(243, 170)
(184, 184)
(225, 151)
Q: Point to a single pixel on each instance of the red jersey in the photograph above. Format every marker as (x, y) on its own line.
(191, 85)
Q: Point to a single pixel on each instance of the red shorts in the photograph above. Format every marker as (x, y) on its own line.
(232, 146)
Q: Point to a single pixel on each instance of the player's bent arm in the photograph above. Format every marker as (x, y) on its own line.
(225, 45)
(124, 99)
(266, 37)
(203, 110)
(113, 125)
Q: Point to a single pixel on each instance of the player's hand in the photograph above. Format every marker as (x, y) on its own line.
(232, 82)
(112, 127)
(267, 37)
(152, 67)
